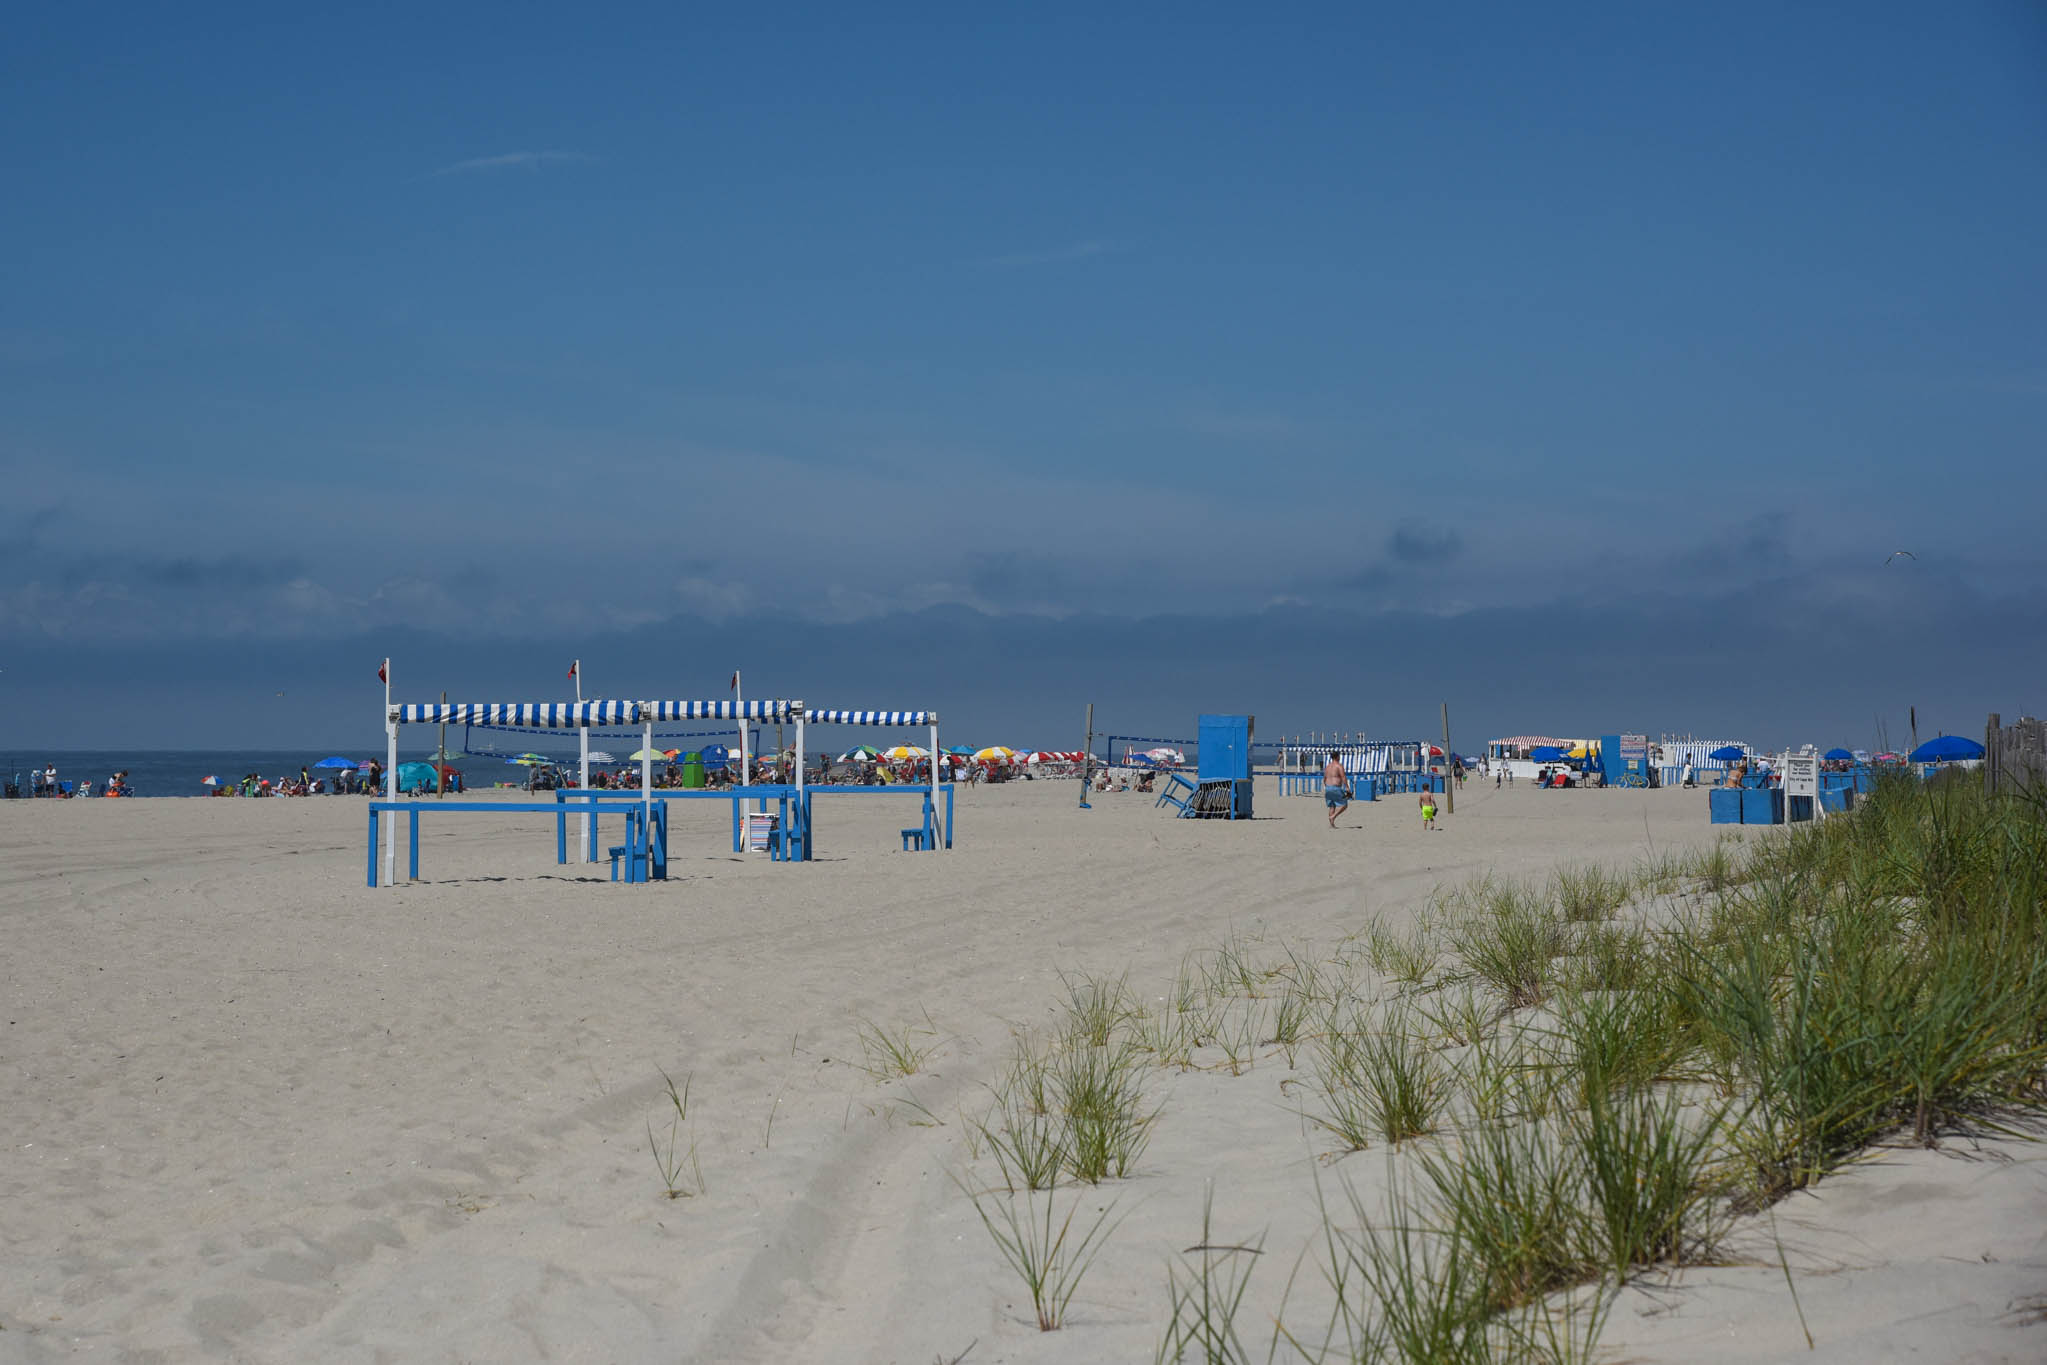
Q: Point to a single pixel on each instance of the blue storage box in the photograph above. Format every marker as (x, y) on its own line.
(1726, 805)
(1764, 807)
(1839, 801)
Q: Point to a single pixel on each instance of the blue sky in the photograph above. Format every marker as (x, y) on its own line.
(680, 338)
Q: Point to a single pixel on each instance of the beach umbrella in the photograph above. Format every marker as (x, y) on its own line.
(335, 763)
(636, 755)
(859, 752)
(529, 760)
(1946, 748)
(1546, 753)
(599, 756)
(1727, 753)
(209, 781)
(994, 753)
(365, 765)
(1165, 755)
(1838, 756)
(714, 755)
(1886, 758)
(902, 751)
(960, 751)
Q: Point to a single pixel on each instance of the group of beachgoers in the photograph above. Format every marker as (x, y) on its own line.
(367, 780)
(43, 782)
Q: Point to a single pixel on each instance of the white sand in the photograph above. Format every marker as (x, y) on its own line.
(256, 1111)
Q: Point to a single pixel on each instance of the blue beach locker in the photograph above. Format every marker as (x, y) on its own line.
(1764, 807)
(1725, 805)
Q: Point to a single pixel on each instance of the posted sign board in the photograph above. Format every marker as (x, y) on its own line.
(1802, 777)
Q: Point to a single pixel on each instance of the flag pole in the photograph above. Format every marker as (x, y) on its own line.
(739, 707)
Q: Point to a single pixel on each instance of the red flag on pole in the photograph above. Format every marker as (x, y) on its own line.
(735, 682)
(380, 674)
(572, 670)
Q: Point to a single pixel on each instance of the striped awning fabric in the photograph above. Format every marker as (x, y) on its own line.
(565, 715)
(820, 717)
(720, 710)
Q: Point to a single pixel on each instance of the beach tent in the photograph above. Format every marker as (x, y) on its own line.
(414, 774)
(1838, 756)
(1728, 753)
(1945, 749)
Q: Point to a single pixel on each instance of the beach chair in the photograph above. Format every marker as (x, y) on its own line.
(1169, 795)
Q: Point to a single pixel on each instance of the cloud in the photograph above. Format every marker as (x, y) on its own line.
(509, 161)
(1079, 251)
(1414, 542)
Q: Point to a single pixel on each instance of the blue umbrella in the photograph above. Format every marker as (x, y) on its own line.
(335, 763)
(1546, 753)
(1945, 748)
(1727, 753)
(1838, 756)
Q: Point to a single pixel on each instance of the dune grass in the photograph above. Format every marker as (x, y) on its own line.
(1575, 1081)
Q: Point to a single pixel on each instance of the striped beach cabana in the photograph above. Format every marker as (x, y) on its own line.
(819, 715)
(743, 712)
(537, 715)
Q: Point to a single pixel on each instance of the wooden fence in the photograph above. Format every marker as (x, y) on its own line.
(2014, 756)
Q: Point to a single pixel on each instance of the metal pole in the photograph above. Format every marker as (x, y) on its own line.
(441, 759)
(1449, 786)
(934, 778)
(1087, 762)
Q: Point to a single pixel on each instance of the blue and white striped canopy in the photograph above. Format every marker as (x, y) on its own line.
(720, 710)
(564, 715)
(817, 717)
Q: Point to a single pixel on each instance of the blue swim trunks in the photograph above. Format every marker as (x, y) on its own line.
(1336, 796)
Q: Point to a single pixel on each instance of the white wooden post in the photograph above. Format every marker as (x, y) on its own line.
(937, 812)
(390, 794)
(390, 780)
(582, 775)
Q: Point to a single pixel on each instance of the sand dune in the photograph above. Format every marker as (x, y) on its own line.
(256, 1111)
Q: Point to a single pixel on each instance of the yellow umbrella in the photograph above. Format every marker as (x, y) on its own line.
(994, 753)
(904, 751)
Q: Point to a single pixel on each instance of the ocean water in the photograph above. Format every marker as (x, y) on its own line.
(169, 772)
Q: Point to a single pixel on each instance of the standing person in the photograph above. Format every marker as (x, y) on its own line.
(1498, 769)
(1335, 788)
(1428, 810)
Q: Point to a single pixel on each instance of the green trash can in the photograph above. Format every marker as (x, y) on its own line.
(692, 770)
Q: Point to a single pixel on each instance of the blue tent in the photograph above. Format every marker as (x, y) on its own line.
(411, 775)
(1946, 748)
(1838, 756)
(1546, 753)
(1728, 753)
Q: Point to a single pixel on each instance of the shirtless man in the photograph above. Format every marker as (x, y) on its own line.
(1335, 788)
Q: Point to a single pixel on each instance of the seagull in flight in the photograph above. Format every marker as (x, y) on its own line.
(1895, 553)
